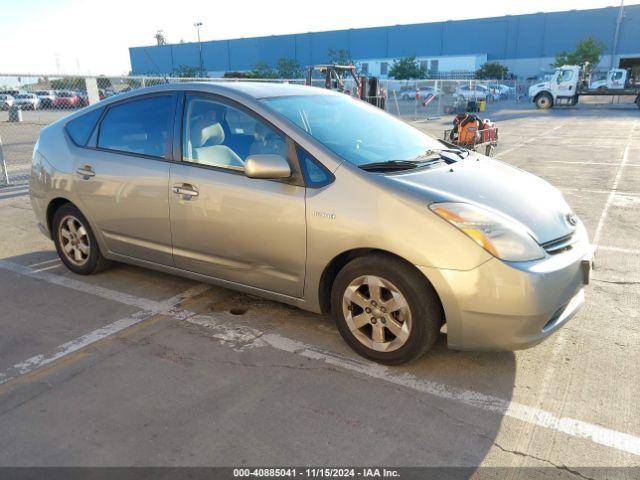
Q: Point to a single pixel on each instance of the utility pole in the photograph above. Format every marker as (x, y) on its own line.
(617, 33)
(160, 38)
(198, 25)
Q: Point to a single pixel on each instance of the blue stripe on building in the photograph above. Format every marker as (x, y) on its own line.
(511, 39)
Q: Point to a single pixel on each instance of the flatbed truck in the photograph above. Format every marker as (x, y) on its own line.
(567, 85)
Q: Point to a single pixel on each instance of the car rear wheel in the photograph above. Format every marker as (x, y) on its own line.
(75, 242)
(385, 309)
(544, 101)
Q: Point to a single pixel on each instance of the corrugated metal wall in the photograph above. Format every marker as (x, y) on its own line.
(511, 37)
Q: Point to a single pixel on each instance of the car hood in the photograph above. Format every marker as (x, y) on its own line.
(490, 183)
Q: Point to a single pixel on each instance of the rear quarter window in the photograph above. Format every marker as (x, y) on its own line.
(79, 129)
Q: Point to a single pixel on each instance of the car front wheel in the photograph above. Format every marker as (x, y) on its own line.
(385, 309)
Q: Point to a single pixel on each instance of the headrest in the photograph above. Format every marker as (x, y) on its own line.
(209, 135)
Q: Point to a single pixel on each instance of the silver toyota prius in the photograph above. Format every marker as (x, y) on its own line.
(318, 200)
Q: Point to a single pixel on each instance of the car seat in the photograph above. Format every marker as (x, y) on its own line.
(207, 147)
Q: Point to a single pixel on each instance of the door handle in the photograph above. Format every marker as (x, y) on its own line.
(185, 190)
(86, 171)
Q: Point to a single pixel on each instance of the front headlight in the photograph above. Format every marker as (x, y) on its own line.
(499, 235)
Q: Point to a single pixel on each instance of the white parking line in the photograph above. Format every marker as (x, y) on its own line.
(228, 332)
(120, 297)
(614, 188)
(632, 251)
(45, 262)
(165, 307)
(39, 361)
(50, 267)
(542, 418)
(528, 141)
(599, 190)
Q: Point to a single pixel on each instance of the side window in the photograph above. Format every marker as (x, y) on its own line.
(140, 126)
(565, 76)
(219, 135)
(79, 129)
(315, 174)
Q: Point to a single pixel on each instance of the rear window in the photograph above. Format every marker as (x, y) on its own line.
(139, 126)
(79, 129)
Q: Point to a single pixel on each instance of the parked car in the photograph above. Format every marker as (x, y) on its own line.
(423, 91)
(475, 92)
(6, 101)
(66, 99)
(26, 101)
(503, 91)
(46, 98)
(315, 199)
(11, 92)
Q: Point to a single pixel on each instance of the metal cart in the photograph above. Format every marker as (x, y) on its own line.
(486, 138)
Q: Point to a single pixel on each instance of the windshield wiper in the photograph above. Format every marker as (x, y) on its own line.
(389, 165)
(459, 152)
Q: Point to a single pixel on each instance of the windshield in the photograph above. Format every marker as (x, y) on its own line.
(353, 129)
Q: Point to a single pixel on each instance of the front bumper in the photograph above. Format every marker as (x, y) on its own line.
(510, 306)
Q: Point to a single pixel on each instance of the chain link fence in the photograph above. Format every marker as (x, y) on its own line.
(30, 102)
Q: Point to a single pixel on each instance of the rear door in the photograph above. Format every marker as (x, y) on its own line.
(122, 179)
(224, 224)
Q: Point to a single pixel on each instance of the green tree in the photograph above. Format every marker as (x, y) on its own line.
(492, 70)
(263, 70)
(407, 68)
(288, 68)
(587, 50)
(340, 56)
(185, 71)
(69, 83)
(237, 74)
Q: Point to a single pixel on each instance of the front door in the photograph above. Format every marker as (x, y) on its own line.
(566, 83)
(122, 183)
(224, 224)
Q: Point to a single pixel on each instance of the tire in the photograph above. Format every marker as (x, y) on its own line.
(416, 320)
(638, 101)
(75, 242)
(544, 101)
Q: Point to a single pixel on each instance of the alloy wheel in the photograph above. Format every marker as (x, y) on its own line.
(74, 240)
(377, 313)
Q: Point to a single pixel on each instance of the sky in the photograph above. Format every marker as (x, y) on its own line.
(92, 37)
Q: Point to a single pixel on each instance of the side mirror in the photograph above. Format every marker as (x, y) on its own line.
(267, 166)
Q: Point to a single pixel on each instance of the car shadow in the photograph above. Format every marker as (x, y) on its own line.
(435, 389)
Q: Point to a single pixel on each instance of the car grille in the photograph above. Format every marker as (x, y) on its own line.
(559, 245)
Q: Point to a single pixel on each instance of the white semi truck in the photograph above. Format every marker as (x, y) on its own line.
(568, 83)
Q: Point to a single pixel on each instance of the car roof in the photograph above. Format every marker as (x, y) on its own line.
(268, 89)
(252, 90)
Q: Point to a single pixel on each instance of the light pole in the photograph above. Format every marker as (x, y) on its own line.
(198, 25)
(617, 32)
